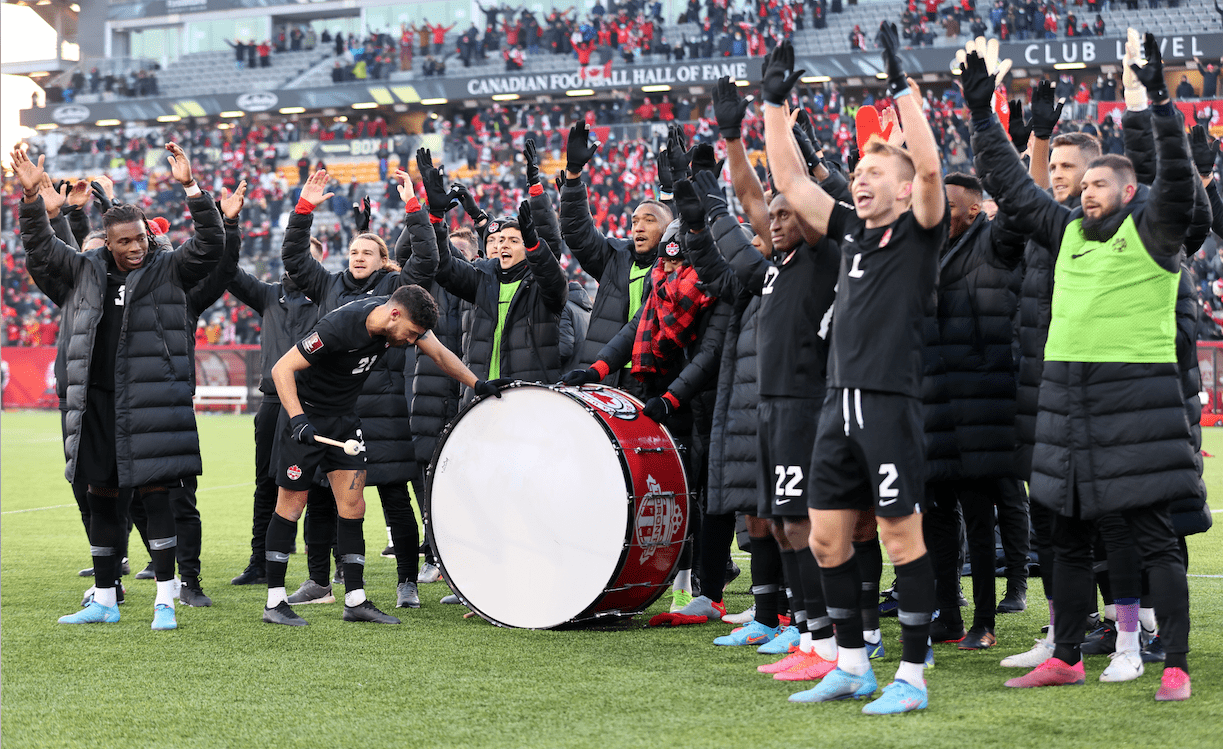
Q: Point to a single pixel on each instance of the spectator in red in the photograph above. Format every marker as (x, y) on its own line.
(931, 10)
(439, 35)
(666, 110)
(512, 32)
(857, 40)
(265, 54)
(646, 112)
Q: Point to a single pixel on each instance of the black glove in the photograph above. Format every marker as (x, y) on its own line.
(302, 431)
(666, 180)
(436, 196)
(579, 150)
(658, 409)
(729, 108)
(705, 159)
(804, 121)
(1046, 110)
(779, 74)
(360, 214)
(679, 156)
(688, 204)
(103, 202)
(527, 225)
(851, 163)
(491, 387)
(1019, 130)
(713, 200)
(888, 40)
(532, 157)
(1151, 75)
(805, 147)
(581, 377)
(465, 198)
(559, 182)
(977, 84)
(1204, 150)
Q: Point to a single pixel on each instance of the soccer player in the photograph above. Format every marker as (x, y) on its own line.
(124, 298)
(1111, 430)
(869, 449)
(319, 381)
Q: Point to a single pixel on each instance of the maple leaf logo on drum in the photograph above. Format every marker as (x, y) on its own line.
(294, 473)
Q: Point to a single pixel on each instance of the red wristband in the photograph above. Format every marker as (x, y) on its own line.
(602, 368)
(436, 219)
(304, 207)
(536, 190)
(413, 205)
(669, 398)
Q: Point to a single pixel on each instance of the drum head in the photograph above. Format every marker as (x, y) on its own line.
(529, 507)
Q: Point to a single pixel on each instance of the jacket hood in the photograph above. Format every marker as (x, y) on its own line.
(578, 296)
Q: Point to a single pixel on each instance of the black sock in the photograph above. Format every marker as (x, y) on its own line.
(351, 545)
(1105, 583)
(842, 588)
(870, 567)
(105, 534)
(794, 587)
(320, 534)
(278, 542)
(766, 578)
(163, 542)
(714, 551)
(915, 605)
(818, 622)
(405, 537)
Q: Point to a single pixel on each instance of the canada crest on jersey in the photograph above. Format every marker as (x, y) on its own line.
(658, 519)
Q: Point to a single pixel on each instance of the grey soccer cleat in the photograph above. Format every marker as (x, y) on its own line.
(407, 596)
(312, 592)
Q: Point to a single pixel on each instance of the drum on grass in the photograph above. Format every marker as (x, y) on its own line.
(555, 505)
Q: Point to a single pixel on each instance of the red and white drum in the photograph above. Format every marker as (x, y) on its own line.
(556, 505)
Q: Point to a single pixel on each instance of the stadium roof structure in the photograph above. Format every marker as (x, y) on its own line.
(929, 63)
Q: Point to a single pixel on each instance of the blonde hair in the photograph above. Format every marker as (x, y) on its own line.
(880, 147)
(383, 252)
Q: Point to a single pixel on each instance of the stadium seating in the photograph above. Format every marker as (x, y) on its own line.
(204, 73)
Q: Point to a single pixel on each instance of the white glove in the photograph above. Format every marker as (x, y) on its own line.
(988, 50)
(1135, 93)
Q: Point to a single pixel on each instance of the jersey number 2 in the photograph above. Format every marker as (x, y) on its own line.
(890, 474)
(364, 364)
(791, 487)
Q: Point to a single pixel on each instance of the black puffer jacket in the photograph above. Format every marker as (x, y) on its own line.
(977, 293)
(288, 316)
(1109, 436)
(155, 432)
(732, 441)
(530, 343)
(608, 261)
(1190, 513)
(382, 406)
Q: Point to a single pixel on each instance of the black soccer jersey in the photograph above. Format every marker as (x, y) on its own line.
(887, 286)
(796, 309)
(341, 353)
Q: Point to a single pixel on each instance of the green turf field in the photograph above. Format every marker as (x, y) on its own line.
(226, 679)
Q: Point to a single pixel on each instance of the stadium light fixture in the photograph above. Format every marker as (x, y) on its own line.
(292, 110)
(365, 105)
(581, 92)
(815, 79)
(40, 74)
(742, 84)
(1070, 66)
(342, 118)
(506, 97)
(43, 2)
(655, 89)
(434, 102)
(233, 113)
(169, 118)
(881, 76)
(224, 126)
(46, 126)
(107, 123)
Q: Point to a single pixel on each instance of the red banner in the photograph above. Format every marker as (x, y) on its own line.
(29, 372)
(1191, 109)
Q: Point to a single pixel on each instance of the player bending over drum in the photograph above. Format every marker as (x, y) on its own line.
(319, 381)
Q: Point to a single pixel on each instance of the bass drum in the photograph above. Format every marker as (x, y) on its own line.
(554, 506)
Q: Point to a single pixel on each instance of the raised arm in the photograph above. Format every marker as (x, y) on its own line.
(547, 224)
(590, 248)
(308, 273)
(730, 110)
(74, 209)
(545, 267)
(1046, 112)
(46, 251)
(206, 292)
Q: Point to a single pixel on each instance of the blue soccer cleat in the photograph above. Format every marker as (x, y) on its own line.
(839, 685)
(753, 634)
(898, 697)
(874, 650)
(93, 613)
(929, 656)
(781, 644)
(163, 617)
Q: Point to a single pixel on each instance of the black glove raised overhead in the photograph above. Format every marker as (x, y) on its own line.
(977, 85)
(888, 40)
(580, 149)
(532, 158)
(301, 429)
(434, 181)
(779, 74)
(1046, 110)
(465, 198)
(1019, 130)
(1205, 150)
(1151, 75)
(679, 156)
(810, 155)
(705, 159)
(104, 203)
(713, 200)
(526, 225)
(688, 204)
(491, 387)
(666, 180)
(729, 108)
(361, 215)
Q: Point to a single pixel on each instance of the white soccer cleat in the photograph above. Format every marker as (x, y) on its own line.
(741, 618)
(1040, 652)
(1126, 666)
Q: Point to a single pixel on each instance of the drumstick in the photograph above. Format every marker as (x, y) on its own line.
(351, 447)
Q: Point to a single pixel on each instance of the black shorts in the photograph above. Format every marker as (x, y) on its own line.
(870, 451)
(295, 463)
(785, 438)
(96, 461)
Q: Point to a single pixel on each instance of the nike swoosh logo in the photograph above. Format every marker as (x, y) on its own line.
(756, 639)
(1081, 254)
(886, 502)
(780, 501)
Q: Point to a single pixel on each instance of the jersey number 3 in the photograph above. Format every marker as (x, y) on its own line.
(364, 364)
(791, 487)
